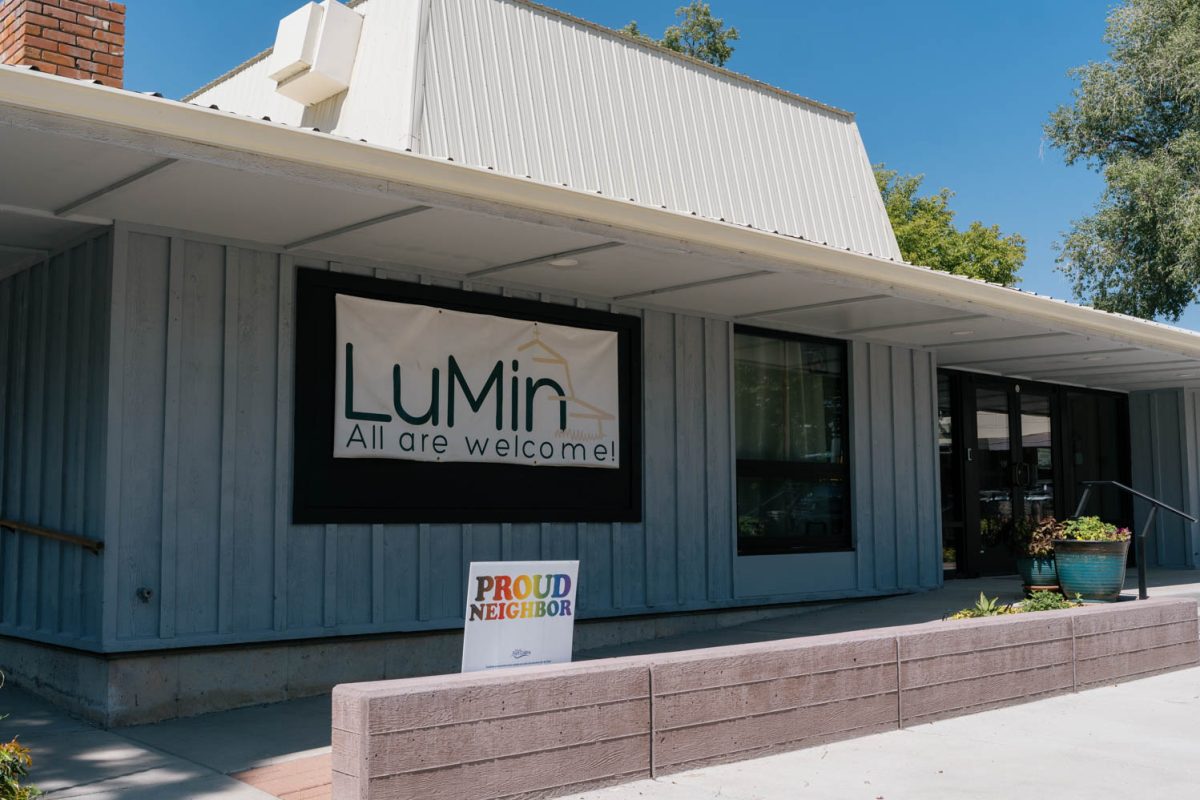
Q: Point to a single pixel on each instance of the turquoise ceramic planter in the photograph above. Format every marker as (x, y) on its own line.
(1040, 572)
(1093, 570)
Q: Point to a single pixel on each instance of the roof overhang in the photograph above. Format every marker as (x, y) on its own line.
(77, 155)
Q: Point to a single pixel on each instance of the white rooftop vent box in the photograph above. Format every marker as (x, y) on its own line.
(314, 51)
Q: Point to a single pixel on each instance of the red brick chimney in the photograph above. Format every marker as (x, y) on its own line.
(82, 39)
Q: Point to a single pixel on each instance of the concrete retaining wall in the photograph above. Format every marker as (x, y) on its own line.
(546, 731)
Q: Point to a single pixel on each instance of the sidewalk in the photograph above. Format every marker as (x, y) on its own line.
(1140, 735)
(175, 760)
(1139, 739)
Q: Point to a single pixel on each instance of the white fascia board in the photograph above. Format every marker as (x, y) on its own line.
(96, 104)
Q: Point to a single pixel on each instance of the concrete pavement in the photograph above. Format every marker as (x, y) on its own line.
(173, 760)
(1138, 739)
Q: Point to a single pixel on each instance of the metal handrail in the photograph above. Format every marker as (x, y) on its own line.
(91, 545)
(1140, 540)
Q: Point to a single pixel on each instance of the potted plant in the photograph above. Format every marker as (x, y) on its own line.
(1032, 542)
(1090, 556)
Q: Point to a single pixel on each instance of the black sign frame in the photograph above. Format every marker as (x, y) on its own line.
(382, 490)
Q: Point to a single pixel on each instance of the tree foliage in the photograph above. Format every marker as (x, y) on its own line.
(926, 233)
(1136, 119)
(698, 34)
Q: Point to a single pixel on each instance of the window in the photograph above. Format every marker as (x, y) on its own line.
(793, 469)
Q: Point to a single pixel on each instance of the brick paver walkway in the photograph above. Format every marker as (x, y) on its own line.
(300, 779)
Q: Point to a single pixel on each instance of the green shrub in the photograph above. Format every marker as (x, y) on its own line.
(1046, 601)
(15, 762)
(1034, 538)
(1038, 601)
(984, 608)
(1092, 529)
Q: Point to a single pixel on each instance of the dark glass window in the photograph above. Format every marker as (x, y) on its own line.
(793, 464)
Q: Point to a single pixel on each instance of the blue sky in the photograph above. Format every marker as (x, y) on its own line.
(955, 90)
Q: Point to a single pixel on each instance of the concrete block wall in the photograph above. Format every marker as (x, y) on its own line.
(731, 703)
(546, 731)
(1116, 647)
(956, 670)
(494, 735)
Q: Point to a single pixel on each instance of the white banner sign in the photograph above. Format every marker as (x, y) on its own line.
(429, 384)
(519, 613)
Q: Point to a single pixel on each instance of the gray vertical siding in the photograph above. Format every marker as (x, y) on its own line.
(201, 431)
(53, 385)
(1165, 438)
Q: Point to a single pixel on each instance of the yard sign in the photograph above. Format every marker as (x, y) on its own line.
(519, 613)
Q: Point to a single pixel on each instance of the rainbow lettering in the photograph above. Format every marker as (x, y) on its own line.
(499, 597)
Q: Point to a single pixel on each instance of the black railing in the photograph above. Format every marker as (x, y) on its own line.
(1140, 539)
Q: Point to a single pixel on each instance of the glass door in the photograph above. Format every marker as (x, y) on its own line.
(950, 458)
(992, 462)
(1010, 470)
(1035, 467)
(1012, 450)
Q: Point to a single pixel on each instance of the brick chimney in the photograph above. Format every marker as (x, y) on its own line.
(82, 39)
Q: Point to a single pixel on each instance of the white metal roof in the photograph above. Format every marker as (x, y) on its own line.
(76, 154)
(532, 92)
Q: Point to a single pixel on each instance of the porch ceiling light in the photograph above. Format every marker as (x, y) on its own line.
(564, 263)
(1095, 358)
(961, 333)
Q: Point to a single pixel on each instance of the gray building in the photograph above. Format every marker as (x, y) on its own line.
(803, 417)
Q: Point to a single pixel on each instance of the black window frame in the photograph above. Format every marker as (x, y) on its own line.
(799, 470)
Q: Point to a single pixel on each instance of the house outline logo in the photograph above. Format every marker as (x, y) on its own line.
(588, 411)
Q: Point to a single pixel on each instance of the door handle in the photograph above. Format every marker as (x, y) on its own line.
(1021, 474)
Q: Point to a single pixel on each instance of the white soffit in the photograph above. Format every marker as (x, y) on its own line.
(1059, 353)
(871, 318)
(1021, 343)
(239, 205)
(453, 241)
(69, 169)
(623, 272)
(963, 335)
(1127, 364)
(760, 298)
(23, 235)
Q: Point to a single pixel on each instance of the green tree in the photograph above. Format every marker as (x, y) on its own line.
(927, 235)
(698, 34)
(1136, 119)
